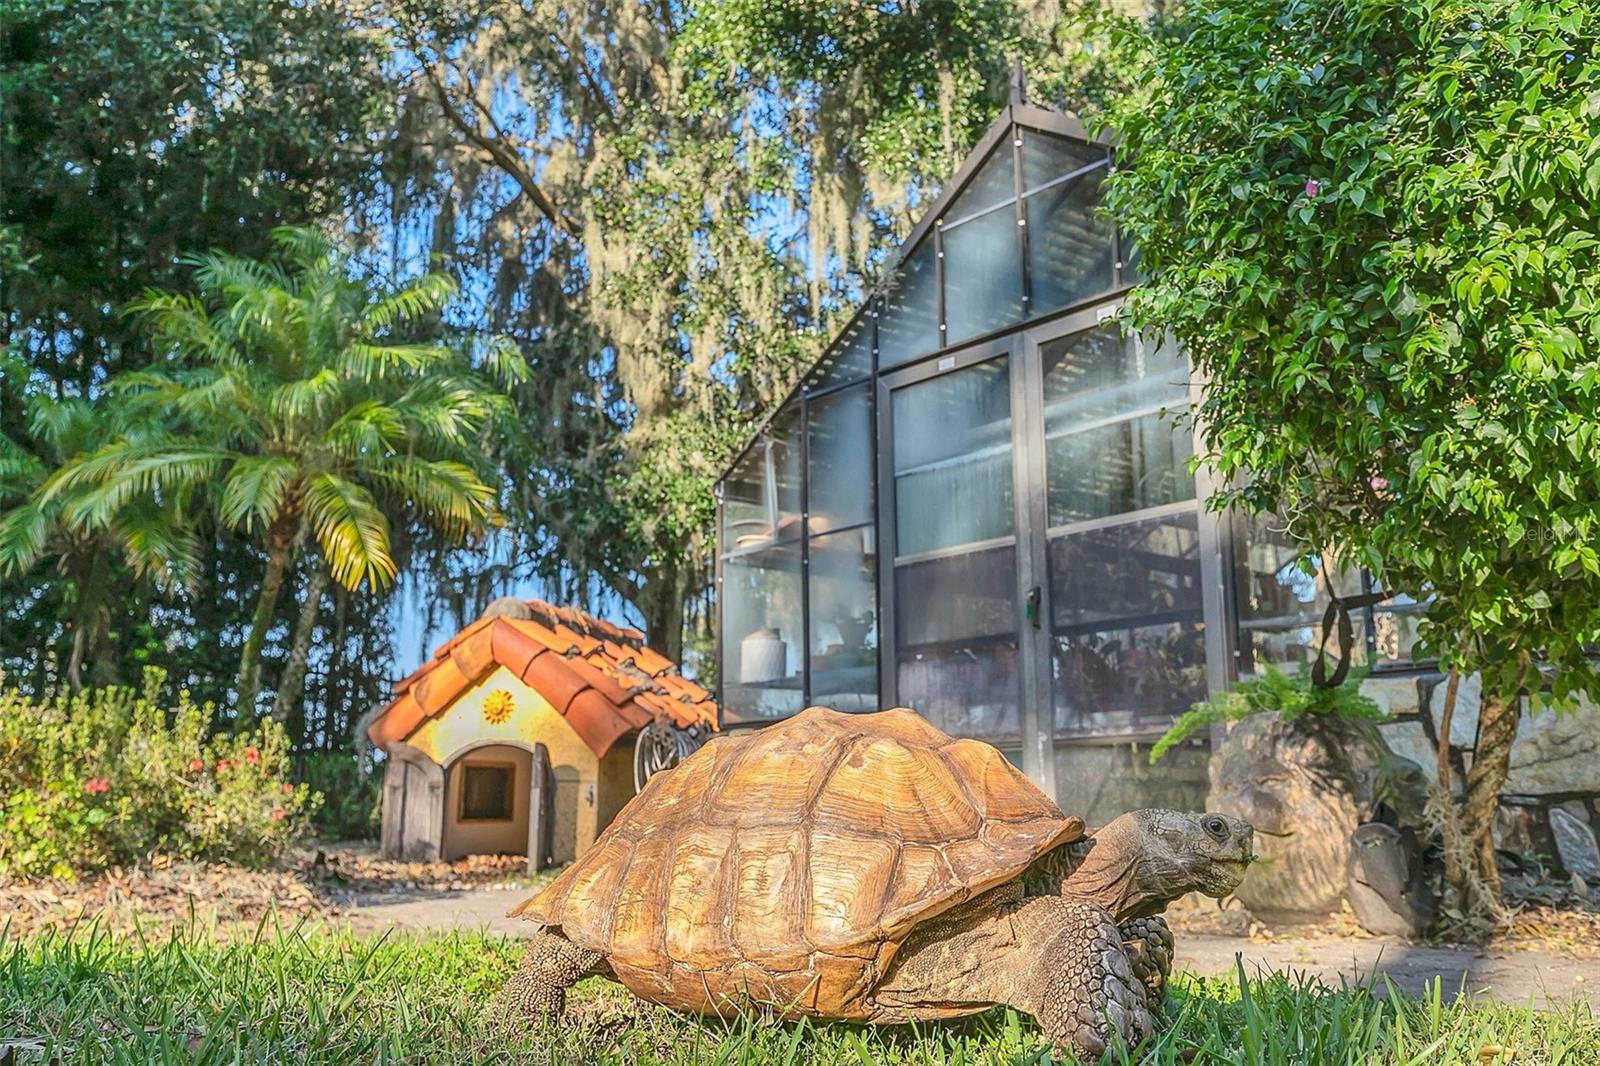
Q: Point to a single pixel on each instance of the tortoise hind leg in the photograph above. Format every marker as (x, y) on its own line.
(1149, 945)
(539, 987)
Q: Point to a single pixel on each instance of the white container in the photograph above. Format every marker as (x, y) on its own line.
(762, 657)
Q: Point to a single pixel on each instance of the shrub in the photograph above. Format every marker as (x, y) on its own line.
(109, 776)
(351, 792)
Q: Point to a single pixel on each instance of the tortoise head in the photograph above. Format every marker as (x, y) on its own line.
(1138, 863)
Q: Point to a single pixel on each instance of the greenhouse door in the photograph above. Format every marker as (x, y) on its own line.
(962, 596)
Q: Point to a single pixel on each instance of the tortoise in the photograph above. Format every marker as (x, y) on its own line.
(870, 868)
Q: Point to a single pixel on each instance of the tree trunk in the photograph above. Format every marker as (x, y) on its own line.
(280, 550)
(662, 607)
(1452, 823)
(75, 660)
(88, 621)
(1478, 887)
(292, 685)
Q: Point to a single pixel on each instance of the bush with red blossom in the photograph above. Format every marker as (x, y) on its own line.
(113, 777)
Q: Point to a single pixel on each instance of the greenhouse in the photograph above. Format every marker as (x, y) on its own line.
(977, 504)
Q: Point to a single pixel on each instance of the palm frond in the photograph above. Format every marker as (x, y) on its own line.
(255, 490)
(370, 362)
(157, 543)
(20, 469)
(230, 276)
(66, 425)
(24, 536)
(367, 429)
(305, 246)
(504, 362)
(449, 493)
(97, 486)
(352, 532)
(417, 299)
(294, 400)
(179, 321)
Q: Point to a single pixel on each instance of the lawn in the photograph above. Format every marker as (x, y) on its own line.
(303, 994)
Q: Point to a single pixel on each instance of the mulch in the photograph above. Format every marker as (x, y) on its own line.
(316, 883)
(1556, 917)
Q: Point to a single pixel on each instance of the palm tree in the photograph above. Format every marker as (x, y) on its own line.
(293, 397)
(147, 533)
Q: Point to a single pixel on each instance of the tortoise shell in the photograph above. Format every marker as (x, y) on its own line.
(787, 865)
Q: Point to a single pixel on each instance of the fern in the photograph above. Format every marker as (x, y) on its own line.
(1272, 692)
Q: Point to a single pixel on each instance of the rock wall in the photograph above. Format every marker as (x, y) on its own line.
(1551, 804)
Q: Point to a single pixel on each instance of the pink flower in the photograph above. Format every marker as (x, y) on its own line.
(1379, 484)
(1313, 186)
(277, 814)
(223, 764)
(288, 789)
(252, 756)
(197, 764)
(96, 785)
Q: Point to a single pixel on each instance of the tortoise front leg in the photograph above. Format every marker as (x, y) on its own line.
(1148, 943)
(1091, 998)
(539, 987)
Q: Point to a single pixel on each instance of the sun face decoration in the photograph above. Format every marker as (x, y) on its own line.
(497, 706)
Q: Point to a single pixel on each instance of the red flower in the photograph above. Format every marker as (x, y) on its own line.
(277, 814)
(223, 764)
(288, 789)
(252, 756)
(197, 764)
(96, 785)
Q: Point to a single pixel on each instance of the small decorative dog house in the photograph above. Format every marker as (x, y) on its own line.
(527, 732)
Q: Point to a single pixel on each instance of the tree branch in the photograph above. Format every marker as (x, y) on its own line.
(506, 159)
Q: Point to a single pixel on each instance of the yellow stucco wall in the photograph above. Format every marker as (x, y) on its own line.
(587, 794)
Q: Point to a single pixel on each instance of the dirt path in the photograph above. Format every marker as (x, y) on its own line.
(1518, 977)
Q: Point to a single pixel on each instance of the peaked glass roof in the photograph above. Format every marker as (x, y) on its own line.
(1016, 234)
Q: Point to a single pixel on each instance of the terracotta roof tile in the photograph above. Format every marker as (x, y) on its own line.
(549, 676)
(652, 662)
(601, 677)
(475, 655)
(582, 641)
(440, 686)
(513, 648)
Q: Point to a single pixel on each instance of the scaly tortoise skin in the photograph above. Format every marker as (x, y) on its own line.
(871, 868)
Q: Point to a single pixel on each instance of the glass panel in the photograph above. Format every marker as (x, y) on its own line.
(844, 620)
(486, 793)
(982, 275)
(993, 185)
(1129, 645)
(908, 325)
(761, 494)
(1394, 632)
(956, 597)
(840, 459)
(1046, 158)
(957, 663)
(1070, 250)
(761, 637)
(850, 356)
(952, 456)
(1280, 604)
(1108, 447)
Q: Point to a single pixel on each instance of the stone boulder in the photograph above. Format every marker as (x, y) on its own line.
(1554, 753)
(1306, 785)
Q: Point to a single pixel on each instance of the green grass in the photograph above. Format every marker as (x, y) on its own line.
(301, 995)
